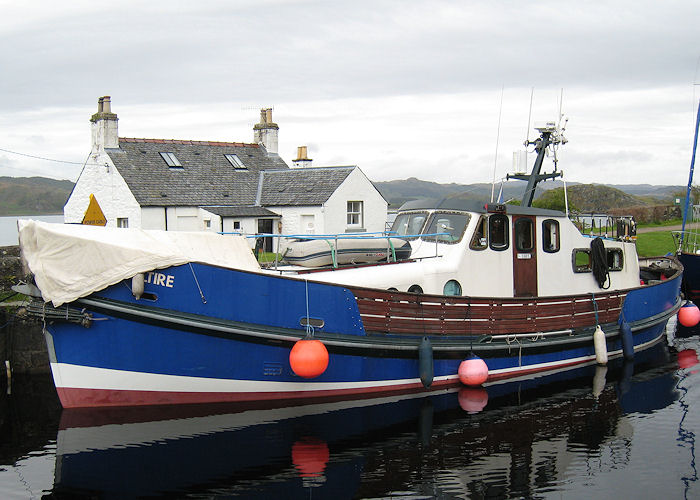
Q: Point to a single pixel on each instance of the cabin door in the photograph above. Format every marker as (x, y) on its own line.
(524, 256)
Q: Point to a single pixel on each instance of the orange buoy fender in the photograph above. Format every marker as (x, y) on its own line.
(473, 371)
(689, 315)
(687, 358)
(309, 358)
(310, 456)
(473, 399)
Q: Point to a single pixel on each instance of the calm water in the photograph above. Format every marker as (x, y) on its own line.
(8, 226)
(628, 431)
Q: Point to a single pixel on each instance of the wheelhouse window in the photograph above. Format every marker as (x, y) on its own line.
(524, 235)
(550, 235)
(581, 258)
(480, 240)
(446, 227)
(235, 161)
(171, 160)
(355, 216)
(615, 259)
(409, 225)
(498, 232)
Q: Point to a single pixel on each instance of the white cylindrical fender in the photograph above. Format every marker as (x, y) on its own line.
(601, 349)
(137, 286)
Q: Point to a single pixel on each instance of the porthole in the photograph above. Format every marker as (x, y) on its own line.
(581, 260)
(452, 287)
(415, 289)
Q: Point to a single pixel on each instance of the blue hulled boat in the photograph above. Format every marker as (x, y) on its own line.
(148, 317)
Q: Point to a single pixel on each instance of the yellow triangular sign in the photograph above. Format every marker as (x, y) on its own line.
(93, 215)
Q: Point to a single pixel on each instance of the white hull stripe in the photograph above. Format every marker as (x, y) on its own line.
(85, 377)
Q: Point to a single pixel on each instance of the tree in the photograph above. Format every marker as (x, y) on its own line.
(553, 199)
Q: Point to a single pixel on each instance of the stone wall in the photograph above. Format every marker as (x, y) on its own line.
(10, 269)
(21, 340)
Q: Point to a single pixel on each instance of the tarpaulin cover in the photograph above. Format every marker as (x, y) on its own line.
(71, 261)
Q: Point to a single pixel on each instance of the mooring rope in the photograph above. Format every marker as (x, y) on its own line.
(204, 300)
(309, 328)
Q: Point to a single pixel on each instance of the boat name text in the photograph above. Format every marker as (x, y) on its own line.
(160, 279)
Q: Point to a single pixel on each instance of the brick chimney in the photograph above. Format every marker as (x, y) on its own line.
(302, 160)
(266, 132)
(105, 133)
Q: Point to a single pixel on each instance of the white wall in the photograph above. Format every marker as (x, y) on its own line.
(295, 220)
(356, 187)
(100, 178)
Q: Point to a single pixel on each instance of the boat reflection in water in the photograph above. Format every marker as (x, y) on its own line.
(511, 439)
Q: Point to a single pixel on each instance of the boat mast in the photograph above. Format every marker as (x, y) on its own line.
(690, 177)
(549, 136)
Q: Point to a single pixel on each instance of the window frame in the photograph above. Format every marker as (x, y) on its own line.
(521, 230)
(581, 269)
(546, 235)
(410, 215)
(235, 161)
(435, 217)
(350, 214)
(609, 252)
(506, 230)
(482, 223)
(170, 159)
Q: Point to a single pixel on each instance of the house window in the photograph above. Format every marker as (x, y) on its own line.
(207, 224)
(122, 222)
(355, 213)
(171, 160)
(235, 161)
(236, 225)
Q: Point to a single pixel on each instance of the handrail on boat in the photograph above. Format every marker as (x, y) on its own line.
(330, 238)
(687, 241)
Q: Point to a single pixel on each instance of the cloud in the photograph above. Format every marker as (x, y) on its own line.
(400, 88)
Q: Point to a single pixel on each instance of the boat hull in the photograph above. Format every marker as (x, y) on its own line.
(202, 340)
(691, 275)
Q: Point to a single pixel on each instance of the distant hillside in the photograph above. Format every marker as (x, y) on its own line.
(33, 195)
(40, 195)
(399, 191)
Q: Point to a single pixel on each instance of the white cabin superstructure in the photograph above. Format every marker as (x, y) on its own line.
(464, 248)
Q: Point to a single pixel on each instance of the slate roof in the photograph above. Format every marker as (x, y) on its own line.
(241, 211)
(301, 187)
(206, 176)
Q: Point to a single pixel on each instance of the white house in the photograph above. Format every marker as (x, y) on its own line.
(186, 185)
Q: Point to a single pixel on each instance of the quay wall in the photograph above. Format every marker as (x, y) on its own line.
(22, 342)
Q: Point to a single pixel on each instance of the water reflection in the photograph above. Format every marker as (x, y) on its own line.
(558, 435)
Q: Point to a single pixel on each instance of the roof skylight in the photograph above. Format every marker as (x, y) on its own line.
(235, 161)
(171, 159)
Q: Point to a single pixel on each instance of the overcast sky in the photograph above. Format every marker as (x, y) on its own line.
(400, 88)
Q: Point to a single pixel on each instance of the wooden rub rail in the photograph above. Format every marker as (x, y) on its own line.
(408, 313)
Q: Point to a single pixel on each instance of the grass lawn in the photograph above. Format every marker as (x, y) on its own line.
(655, 243)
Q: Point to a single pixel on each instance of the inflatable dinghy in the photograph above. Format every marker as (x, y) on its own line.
(326, 252)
